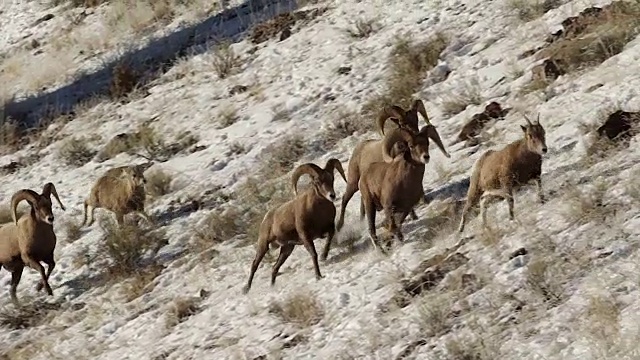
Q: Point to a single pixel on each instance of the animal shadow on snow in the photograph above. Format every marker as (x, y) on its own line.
(155, 58)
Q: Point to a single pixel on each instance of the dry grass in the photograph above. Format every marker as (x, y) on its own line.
(181, 309)
(9, 135)
(527, 10)
(302, 309)
(408, 64)
(30, 314)
(278, 158)
(141, 282)
(468, 93)
(602, 38)
(601, 322)
(224, 60)
(125, 247)
(434, 314)
(544, 278)
(345, 125)
(586, 205)
(363, 28)
(219, 226)
(227, 116)
(75, 152)
(124, 80)
(72, 230)
(158, 183)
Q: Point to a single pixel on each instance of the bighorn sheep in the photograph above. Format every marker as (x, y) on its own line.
(370, 151)
(121, 191)
(499, 173)
(30, 239)
(308, 216)
(395, 185)
(474, 126)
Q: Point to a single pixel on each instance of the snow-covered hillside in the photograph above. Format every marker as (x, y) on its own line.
(226, 124)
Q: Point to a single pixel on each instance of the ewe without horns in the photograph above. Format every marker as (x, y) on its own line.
(30, 239)
(308, 216)
(370, 151)
(396, 187)
(499, 173)
(121, 191)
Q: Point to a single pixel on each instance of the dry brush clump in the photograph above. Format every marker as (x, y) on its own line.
(362, 28)
(527, 10)
(302, 309)
(124, 247)
(590, 204)
(345, 124)
(224, 60)
(279, 157)
(158, 183)
(467, 93)
(593, 36)
(408, 64)
(28, 315)
(76, 152)
(219, 226)
(180, 309)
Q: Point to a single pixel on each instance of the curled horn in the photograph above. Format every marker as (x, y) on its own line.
(311, 169)
(49, 189)
(418, 106)
(24, 194)
(432, 133)
(335, 164)
(391, 139)
(393, 112)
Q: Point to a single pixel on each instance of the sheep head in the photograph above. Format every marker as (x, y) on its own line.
(136, 174)
(322, 179)
(407, 144)
(406, 119)
(534, 136)
(40, 203)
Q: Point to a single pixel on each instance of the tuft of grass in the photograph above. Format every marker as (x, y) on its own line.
(468, 93)
(123, 81)
(28, 315)
(602, 37)
(225, 61)
(125, 247)
(181, 309)
(434, 314)
(238, 148)
(9, 135)
(141, 282)
(602, 321)
(302, 309)
(542, 278)
(72, 230)
(76, 152)
(158, 183)
(584, 206)
(408, 64)
(527, 10)
(227, 116)
(362, 28)
(345, 125)
(219, 226)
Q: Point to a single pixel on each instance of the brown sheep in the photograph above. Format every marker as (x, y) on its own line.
(396, 187)
(477, 122)
(499, 173)
(121, 191)
(29, 240)
(308, 216)
(370, 151)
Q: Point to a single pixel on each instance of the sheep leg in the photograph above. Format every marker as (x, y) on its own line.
(285, 251)
(32, 263)
(348, 194)
(308, 244)
(393, 226)
(370, 210)
(261, 251)
(413, 215)
(16, 275)
(327, 245)
(84, 217)
(120, 219)
(541, 197)
(50, 265)
(472, 200)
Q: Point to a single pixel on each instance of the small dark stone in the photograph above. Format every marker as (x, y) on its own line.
(344, 70)
(43, 19)
(238, 89)
(520, 252)
(286, 33)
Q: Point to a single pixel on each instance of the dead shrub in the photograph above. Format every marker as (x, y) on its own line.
(584, 206)
(527, 10)
(302, 309)
(362, 28)
(9, 135)
(78, 3)
(434, 314)
(227, 116)
(158, 183)
(279, 157)
(219, 226)
(181, 309)
(75, 152)
(123, 80)
(601, 321)
(141, 282)
(124, 247)
(468, 93)
(72, 230)
(29, 315)
(600, 37)
(282, 23)
(408, 63)
(543, 278)
(225, 60)
(345, 125)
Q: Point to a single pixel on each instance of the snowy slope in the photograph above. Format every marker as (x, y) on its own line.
(500, 318)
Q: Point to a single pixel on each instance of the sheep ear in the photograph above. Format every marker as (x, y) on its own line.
(524, 128)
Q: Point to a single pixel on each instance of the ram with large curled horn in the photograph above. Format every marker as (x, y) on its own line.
(395, 187)
(30, 239)
(369, 151)
(308, 216)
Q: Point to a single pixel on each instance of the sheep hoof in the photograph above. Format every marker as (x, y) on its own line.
(39, 287)
(245, 290)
